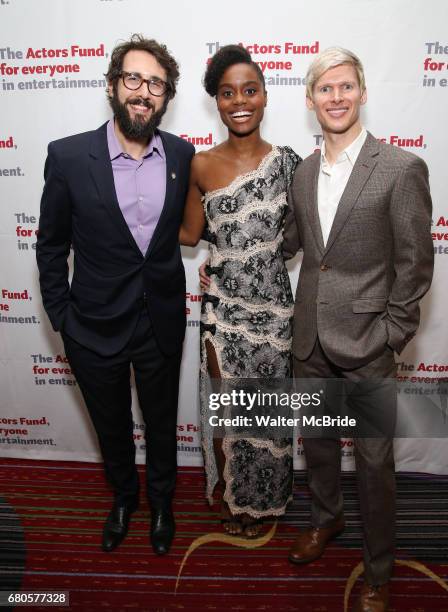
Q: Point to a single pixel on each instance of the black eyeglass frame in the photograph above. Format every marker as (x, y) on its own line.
(151, 80)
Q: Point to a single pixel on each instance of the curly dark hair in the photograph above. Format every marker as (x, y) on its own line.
(224, 58)
(138, 43)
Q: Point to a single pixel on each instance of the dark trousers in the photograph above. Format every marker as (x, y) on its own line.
(106, 388)
(374, 465)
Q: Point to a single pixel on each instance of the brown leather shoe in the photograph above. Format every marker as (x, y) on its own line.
(373, 598)
(310, 544)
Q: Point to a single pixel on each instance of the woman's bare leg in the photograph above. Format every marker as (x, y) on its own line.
(231, 524)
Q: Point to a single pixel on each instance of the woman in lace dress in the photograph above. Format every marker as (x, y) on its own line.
(238, 195)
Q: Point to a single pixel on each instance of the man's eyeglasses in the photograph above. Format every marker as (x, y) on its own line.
(134, 80)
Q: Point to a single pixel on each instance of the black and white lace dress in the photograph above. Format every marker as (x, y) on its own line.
(247, 318)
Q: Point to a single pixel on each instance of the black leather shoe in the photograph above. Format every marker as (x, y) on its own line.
(162, 530)
(116, 526)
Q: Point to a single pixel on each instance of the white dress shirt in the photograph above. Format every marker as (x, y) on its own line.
(333, 180)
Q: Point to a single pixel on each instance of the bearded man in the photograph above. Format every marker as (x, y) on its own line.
(116, 196)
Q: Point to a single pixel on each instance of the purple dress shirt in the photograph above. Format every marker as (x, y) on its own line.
(140, 185)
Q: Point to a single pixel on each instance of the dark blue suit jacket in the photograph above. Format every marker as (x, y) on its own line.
(79, 208)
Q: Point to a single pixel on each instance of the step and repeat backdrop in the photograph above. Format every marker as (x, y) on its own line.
(53, 56)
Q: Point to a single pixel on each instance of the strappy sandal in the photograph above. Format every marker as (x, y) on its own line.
(252, 527)
(232, 525)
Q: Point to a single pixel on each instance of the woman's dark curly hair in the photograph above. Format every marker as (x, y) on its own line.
(224, 58)
(160, 53)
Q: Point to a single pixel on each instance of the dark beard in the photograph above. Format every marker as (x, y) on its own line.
(137, 129)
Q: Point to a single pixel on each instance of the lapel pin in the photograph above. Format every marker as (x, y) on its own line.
(173, 175)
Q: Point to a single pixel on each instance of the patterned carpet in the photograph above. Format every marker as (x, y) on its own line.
(51, 516)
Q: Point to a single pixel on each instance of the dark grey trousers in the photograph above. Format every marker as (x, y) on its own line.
(374, 465)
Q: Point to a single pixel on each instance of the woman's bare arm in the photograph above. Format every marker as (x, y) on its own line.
(193, 222)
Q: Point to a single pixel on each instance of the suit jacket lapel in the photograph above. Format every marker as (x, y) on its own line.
(172, 164)
(362, 169)
(311, 201)
(103, 177)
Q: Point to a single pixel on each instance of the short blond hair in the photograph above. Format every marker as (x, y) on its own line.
(330, 58)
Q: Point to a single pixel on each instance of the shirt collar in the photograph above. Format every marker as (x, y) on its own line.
(115, 149)
(350, 153)
(155, 146)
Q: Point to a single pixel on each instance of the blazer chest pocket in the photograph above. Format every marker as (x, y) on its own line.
(369, 305)
(376, 199)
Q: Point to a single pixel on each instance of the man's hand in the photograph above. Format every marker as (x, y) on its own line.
(204, 280)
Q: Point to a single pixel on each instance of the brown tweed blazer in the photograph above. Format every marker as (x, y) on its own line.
(360, 293)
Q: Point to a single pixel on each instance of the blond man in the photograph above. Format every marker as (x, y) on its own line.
(361, 212)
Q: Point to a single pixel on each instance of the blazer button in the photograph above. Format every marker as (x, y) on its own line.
(324, 268)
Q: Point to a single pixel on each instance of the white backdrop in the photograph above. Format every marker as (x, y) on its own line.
(51, 86)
